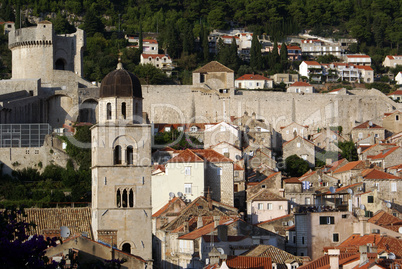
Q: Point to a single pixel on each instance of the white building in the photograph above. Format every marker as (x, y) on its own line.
(300, 87)
(251, 81)
(359, 59)
(161, 61)
(392, 61)
(315, 47)
(398, 78)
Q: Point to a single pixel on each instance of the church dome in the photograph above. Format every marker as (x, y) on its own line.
(120, 83)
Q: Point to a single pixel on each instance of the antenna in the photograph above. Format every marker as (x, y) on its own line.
(64, 231)
(332, 189)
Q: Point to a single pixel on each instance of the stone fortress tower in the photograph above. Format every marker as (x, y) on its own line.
(121, 167)
(37, 51)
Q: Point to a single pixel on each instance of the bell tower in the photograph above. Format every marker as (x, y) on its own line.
(121, 167)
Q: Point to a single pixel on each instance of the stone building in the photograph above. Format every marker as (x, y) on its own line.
(300, 87)
(370, 130)
(300, 147)
(392, 122)
(121, 167)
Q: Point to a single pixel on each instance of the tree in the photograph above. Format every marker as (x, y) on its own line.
(140, 45)
(205, 44)
(296, 166)
(348, 150)
(62, 26)
(284, 57)
(255, 53)
(17, 249)
(93, 23)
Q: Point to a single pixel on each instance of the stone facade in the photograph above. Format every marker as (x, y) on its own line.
(300, 147)
(393, 122)
(368, 129)
(221, 132)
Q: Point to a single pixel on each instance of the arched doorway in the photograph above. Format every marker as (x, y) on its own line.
(60, 64)
(126, 248)
(88, 111)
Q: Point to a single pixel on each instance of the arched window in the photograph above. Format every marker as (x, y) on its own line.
(117, 155)
(60, 64)
(118, 198)
(124, 200)
(123, 110)
(109, 111)
(126, 248)
(131, 198)
(129, 155)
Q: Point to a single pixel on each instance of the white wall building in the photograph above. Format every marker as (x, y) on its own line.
(251, 81)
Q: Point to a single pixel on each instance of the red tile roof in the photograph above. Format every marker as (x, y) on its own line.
(253, 77)
(237, 167)
(300, 84)
(323, 262)
(164, 208)
(206, 229)
(383, 218)
(366, 125)
(384, 153)
(336, 164)
(152, 41)
(274, 219)
(338, 190)
(211, 155)
(295, 138)
(186, 156)
(398, 166)
(230, 238)
(397, 92)
(376, 174)
(155, 55)
(240, 262)
(292, 180)
(312, 63)
(336, 90)
(348, 166)
(283, 127)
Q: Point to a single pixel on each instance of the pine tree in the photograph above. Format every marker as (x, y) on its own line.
(284, 57)
(205, 45)
(255, 53)
(140, 44)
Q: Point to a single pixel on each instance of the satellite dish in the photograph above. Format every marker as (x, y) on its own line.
(221, 251)
(400, 230)
(290, 223)
(362, 207)
(276, 169)
(64, 231)
(391, 256)
(180, 194)
(238, 157)
(370, 123)
(389, 205)
(350, 191)
(332, 189)
(171, 195)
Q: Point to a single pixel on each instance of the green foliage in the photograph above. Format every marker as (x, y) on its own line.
(62, 26)
(177, 140)
(150, 75)
(328, 58)
(383, 87)
(255, 53)
(348, 150)
(92, 23)
(295, 166)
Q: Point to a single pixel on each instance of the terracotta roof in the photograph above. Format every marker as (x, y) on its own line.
(383, 218)
(338, 190)
(358, 56)
(213, 66)
(164, 208)
(391, 113)
(348, 166)
(397, 92)
(323, 262)
(237, 262)
(300, 84)
(307, 175)
(253, 77)
(211, 155)
(229, 36)
(186, 156)
(364, 67)
(398, 166)
(291, 228)
(152, 41)
(377, 174)
(206, 229)
(384, 153)
(292, 180)
(160, 167)
(312, 63)
(155, 55)
(382, 242)
(366, 125)
(237, 167)
(336, 90)
(336, 164)
(49, 220)
(230, 238)
(277, 255)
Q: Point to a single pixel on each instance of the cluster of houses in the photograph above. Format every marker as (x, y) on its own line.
(229, 203)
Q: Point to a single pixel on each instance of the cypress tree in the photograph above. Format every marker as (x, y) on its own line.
(140, 40)
(255, 53)
(205, 45)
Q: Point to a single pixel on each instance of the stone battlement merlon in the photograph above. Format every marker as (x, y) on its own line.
(30, 44)
(40, 34)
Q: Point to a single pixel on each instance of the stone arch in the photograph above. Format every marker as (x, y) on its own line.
(58, 108)
(60, 64)
(128, 149)
(129, 242)
(88, 111)
(126, 247)
(117, 158)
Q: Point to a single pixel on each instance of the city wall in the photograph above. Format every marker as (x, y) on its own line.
(185, 104)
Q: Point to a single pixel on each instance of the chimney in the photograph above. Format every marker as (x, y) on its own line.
(216, 221)
(363, 254)
(333, 258)
(209, 200)
(186, 227)
(199, 222)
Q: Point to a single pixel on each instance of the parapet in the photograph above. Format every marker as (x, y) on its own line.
(40, 35)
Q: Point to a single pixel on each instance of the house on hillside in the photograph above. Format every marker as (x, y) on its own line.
(292, 130)
(398, 78)
(392, 122)
(396, 95)
(300, 147)
(300, 87)
(266, 205)
(214, 76)
(253, 81)
(161, 61)
(358, 59)
(221, 132)
(392, 61)
(370, 130)
(387, 157)
(312, 70)
(286, 78)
